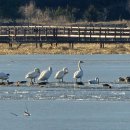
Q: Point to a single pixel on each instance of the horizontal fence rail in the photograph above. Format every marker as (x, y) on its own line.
(63, 34)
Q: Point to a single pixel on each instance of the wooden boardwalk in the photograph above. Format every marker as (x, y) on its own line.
(63, 34)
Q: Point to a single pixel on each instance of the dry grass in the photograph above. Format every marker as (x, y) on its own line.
(65, 49)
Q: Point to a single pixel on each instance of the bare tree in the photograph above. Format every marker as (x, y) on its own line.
(32, 14)
(38, 16)
(28, 11)
(105, 14)
(47, 15)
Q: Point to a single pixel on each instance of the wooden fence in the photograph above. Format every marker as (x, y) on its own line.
(63, 34)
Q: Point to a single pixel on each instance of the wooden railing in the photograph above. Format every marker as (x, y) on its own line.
(63, 34)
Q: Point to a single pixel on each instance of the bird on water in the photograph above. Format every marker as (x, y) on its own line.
(26, 112)
(61, 73)
(33, 75)
(94, 81)
(79, 73)
(45, 74)
(4, 76)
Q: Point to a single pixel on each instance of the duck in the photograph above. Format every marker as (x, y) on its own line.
(4, 76)
(33, 74)
(61, 73)
(26, 112)
(121, 79)
(95, 81)
(106, 85)
(45, 74)
(124, 79)
(79, 73)
(127, 79)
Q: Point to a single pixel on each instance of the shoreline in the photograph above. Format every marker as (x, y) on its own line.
(80, 49)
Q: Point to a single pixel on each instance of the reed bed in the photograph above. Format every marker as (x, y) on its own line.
(65, 49)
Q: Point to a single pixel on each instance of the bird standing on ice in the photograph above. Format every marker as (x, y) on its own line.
(94, 81)
(45, 75)
(61, 73)
(33, 75)
(4, 76)
(79, 73)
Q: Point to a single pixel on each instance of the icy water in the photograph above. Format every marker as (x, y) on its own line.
(66, 107)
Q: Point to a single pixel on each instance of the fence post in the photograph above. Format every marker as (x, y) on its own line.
(115, 35)
(79, 33)
(90, 34)
(100, 39)
(10, 39)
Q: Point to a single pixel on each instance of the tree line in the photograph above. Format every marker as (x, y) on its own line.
(45, 11)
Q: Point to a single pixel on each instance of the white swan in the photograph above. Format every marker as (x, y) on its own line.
(79, 73)
(4, 76)
(45, 75)
(95, 81)
(33, 75)
(61, 73)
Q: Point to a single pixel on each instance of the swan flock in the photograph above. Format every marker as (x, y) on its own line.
(46, 74)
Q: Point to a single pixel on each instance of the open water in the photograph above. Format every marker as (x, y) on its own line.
(66, 108)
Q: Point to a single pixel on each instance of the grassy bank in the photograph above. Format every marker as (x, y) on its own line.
(65, 49)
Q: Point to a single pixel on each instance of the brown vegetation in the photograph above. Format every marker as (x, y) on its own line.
(65, 49)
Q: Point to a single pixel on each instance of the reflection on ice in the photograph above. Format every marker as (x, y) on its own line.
(92, 92)
(118, 93)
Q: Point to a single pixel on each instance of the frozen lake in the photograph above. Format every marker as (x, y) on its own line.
(66, 108)
(106, 67)
(65, 115)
